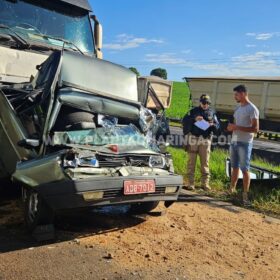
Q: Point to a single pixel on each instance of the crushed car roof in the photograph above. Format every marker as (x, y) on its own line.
(98, 76)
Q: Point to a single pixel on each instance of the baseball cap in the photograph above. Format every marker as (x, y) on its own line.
(205, 99)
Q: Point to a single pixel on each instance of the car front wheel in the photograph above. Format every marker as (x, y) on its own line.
(36, 211)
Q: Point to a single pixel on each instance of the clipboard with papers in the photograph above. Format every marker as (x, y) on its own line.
(204, 125)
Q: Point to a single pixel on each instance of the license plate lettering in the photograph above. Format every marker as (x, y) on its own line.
(139, 187)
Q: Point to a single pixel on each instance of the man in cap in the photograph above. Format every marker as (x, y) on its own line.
(199, 125)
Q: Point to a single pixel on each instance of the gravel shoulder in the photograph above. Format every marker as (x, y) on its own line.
(190, 241)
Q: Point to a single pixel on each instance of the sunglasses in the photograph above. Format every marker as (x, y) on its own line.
(205, 102)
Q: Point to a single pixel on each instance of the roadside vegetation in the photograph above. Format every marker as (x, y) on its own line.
(180, 101)
(264, 198)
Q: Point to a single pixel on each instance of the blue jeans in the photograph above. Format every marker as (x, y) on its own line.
(240, 155)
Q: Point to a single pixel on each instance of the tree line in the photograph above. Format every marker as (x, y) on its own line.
(159, 72)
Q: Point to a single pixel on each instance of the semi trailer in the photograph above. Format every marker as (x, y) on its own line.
(264, 93)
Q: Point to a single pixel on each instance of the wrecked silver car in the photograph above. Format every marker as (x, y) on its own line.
(78, 133)
(82, 139)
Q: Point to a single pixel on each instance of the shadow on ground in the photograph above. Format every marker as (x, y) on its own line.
(68, 226)
(14, 236)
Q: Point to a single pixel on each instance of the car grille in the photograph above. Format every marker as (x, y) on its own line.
(107, 162)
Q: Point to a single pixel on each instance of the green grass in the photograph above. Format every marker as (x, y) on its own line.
(265, 164)
(176, 124)
(264, 199)
(180, 101)
(217, 166)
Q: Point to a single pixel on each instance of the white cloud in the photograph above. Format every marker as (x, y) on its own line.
(250, 46)
(251, 34)
(165, 58)
(218, 52)
(263, 36)
(186, 51)
(256, 57)
(125, 41)
(258, 63)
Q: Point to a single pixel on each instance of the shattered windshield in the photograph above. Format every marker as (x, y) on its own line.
(35, 22)
(119, 135)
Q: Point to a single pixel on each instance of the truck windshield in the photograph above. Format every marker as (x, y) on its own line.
(48, 18)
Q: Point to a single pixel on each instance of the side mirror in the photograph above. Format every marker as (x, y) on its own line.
(29, 143)
(98, 36)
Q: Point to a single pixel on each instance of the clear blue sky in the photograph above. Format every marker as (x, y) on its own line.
(193, 38)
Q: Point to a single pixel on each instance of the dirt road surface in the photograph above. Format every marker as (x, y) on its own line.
(190, 241)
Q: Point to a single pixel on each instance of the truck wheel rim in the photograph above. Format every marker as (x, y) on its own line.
(33, 206)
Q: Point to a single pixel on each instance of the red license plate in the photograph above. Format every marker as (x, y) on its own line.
(138, 187)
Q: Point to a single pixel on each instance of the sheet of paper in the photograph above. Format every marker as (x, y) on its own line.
(204, 125)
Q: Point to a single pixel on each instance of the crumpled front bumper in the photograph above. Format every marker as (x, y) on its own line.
(69, 194)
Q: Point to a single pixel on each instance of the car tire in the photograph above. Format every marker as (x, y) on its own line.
(36, 211)
(143, 207)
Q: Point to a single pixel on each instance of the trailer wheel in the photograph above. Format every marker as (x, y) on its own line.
(143, 207)
(36, 211)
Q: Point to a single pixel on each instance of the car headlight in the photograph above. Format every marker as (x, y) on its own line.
(157, 162)
(88, 162)
(80, 162)
(70, 163)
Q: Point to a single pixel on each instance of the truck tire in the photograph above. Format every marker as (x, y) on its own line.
(36, 211)
(143, 207)
(69, 116)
